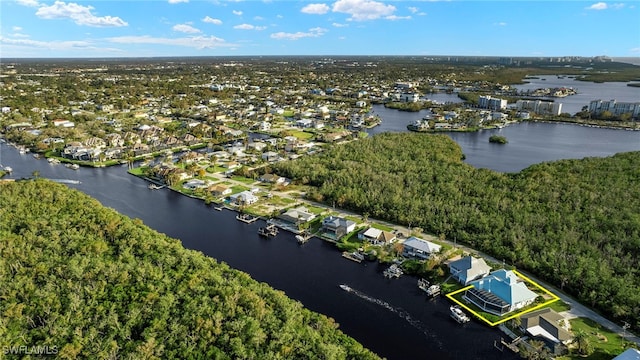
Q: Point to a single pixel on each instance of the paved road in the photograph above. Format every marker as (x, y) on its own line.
(577, 309)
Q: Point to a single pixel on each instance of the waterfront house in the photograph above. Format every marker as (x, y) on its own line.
(418, 248)
(270, 156)
(500, 292)
(244, 198)
(194, 184)
(548, 326)
(272, 178)
(219, 190)
(297, 215)
(468, 268)
(337, 227)
(377, 236)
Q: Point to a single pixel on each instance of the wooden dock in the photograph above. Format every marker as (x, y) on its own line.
(247, 219)
(353, 256)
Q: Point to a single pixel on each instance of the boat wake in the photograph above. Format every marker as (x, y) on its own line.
(398, 311)
(66, 181)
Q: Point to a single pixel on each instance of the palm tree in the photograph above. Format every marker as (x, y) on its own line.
(582, 341)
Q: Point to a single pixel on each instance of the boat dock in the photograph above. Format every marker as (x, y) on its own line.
(353, 256)
(430, 290)
(268, 231)
(393, 271)
(155, 186)
(246, 218)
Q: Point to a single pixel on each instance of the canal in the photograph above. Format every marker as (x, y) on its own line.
(391, 317)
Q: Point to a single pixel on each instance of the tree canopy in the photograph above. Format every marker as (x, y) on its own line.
(574, 223)
(95, 284)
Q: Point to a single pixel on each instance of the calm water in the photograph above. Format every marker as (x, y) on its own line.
(587, 91)
(529, 143)
(400, 323)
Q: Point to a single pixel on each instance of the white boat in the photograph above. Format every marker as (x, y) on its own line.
(345, 287)
(73, 166)
(301, 239)
(458, 315)
(8, 169)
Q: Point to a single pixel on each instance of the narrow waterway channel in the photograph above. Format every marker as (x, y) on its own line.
(393, 318)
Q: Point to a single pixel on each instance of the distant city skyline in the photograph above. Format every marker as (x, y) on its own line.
(130, 28)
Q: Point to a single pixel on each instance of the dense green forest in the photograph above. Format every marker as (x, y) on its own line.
(88, 282)
(574, 223)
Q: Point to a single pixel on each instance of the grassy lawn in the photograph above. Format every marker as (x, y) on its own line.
(243, 179)
(381, 227)
(216, 169)
(315, 209)
(560, 306)
(136, 171)
(288, 113)
(302, 135)
(606, 344)
(238, 189)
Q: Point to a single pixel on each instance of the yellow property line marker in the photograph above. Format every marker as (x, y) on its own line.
(481, 317)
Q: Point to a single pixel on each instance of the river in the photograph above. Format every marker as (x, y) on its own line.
(587, 91)
(529, 142)
(391, 317)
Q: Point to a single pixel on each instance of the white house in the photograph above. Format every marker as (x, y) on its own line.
(469, 268)
(244, 198)
(415, 247)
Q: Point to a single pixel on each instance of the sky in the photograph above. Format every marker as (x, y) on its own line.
(144, 28)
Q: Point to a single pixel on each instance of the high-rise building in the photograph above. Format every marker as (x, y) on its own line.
(487, 102)
(597, 107)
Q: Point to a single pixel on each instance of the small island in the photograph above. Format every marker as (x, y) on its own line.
(498, 139)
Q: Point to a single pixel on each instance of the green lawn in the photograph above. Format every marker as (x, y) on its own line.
(302, 135)
(560, 306)
(606, 344)
(243, 180)
(238, 189)
(381, 227)
(136, 171)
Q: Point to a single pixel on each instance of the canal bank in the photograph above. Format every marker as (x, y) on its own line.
(394, 318)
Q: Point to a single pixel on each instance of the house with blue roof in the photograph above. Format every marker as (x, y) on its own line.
(500, 292)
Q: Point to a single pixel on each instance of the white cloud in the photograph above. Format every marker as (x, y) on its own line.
(598, 6)
(361, 10)
(317, 9)
(30, 3)
(16, 28)
(395, 17)
(18, 35)
(338, 25)
(258, 18)
(502, 23)
(81, 15)
(178, 1)
(237, 12)
(211, 20)
(635, 50)
(185, 28)
(617, 6)
(315, 32)
(413, 9)
(22, 45)
(198, 42)
(249, 27)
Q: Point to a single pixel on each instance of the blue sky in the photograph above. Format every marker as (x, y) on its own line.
(133, 28)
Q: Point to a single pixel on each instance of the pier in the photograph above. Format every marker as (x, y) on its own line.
(353, 256)
(247, 219)
(394, 271)
(268, 231)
